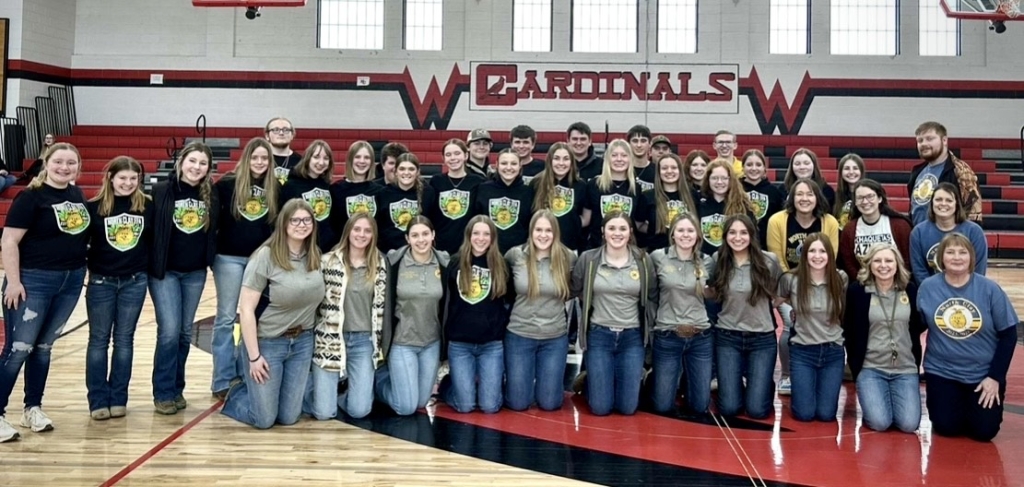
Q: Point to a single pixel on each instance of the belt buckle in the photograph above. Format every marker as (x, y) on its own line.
(687, 331)
(292, 332)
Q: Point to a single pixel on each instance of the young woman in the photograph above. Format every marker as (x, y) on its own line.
(851, 172)
(682, 331)
(972, 331)
(249, 203)
(670, 197)
(806, 213)
(186, 209)
(744, 280)
(537, 338)
(357, 193)
(614, 190)
(350, 322)
(281, 290)
(475, 322)
(506, 201)
(44, 251)
(817, 291)
(722, 196)
(412, 320)
(456, 191)
(882, 329)
(402, 202)
(560, 189)
(766, 198)
(695, 167)
(804, 165)
(872, 221)
(946, 215)
(310, 181)
(118, 258)
(618, 288)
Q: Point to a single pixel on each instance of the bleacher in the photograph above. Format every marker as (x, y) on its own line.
(888, 160)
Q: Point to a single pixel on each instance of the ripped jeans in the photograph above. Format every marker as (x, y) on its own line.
(32, 327)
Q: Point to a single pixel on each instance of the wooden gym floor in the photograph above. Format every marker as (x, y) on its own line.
(199, 446)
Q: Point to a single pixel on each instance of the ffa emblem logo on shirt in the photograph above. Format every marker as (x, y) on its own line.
(281, 173)
(904, 299)
(674, 208)
(644, 185)
(454, 203)
(402, 212)
(360, 204)
(256, 206)
(958, 318)
(634, 275)
(844, 214)
(320, 201)
(932, 258)
(616, 202)
(713, 228)
(479, 288)
(562, 200)
(760, 202)
(72, 218)
(189, 215)
(922, 194)
(123, 231)
(437, 272)
(504, 212)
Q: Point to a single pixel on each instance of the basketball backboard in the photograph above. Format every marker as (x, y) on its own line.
(991, 10)
(248, 3)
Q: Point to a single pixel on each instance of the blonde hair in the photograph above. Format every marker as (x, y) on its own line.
(244, 180)
(39, 180)
(372, 254)
(604, 180)
(495, 262)
(902, 277)
(106, 195)
(350, 171)
(696, 255)
(560, 270)
(280, 255)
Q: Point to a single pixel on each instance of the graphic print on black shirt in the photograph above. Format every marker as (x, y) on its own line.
(504, 212)
(256, 206)
(795, 236)
(54, 221)
(189, 215)
(480, 285)
(72, 218)
(402, 212)
(319, 200)
(123, 231)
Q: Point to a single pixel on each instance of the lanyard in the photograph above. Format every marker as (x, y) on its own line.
(891, 323)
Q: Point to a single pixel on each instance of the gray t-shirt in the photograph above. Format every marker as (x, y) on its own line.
(679, 303)
(616, 295)
(358, 301)
(737, 314)
(884, 337)
(813, 327)
(542, 317)
(924, 186)
(294, 295)
(418, 293)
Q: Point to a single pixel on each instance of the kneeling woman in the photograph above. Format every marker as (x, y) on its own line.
(883, 346)
(281, 289)
(617, 286)
(476, 320)
(972, 331)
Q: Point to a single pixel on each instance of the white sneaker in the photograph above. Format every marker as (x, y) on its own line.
(7, 431)
(35, 419)
(714, 384)
(785, 387)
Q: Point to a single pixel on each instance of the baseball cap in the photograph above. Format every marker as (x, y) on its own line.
(660, 139)
(479, 134)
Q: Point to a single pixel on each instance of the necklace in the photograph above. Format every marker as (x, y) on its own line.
(618, 184)
(296, 255)
(454, 184)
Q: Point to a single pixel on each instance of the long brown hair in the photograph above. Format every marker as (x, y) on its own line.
(350, 171)
(688, 162)
(662, 220)
(206, 185)
(106, 195)
(244, 180)
(816, 175)
(38, 181)
(495, 262)
(833, 283)
(761, 283)
(560, 270)
(544, 183)
(303, 167)
(844, 190)
(736, 200)
(278, 241)
(412, 159)
(372, 255)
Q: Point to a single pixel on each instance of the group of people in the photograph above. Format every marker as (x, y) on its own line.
(356, 291)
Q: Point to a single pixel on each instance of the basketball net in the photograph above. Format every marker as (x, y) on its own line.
(1009, 8)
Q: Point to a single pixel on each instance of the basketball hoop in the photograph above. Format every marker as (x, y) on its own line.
(1009, 8)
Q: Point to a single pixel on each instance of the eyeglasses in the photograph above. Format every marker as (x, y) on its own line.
(280, 131)
(306, 220)
(867, 198)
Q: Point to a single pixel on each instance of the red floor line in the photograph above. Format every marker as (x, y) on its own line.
(160, 446)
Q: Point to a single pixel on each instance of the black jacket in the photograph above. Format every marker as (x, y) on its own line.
(856, 326)
(163, 213)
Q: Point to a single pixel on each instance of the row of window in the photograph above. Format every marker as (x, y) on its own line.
(860, 27)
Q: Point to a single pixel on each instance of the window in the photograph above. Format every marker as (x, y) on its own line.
(604, 25)
(677, 26)
(940, 35)
(865, 27)
(423, 24)
(531, 25)
(787, 27)
(351, 24)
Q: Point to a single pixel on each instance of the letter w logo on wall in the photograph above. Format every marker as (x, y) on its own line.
(437, 106)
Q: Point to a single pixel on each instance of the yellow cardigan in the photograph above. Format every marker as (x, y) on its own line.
(777, 235)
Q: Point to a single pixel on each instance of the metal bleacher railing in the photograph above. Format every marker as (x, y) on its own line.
(22, 137)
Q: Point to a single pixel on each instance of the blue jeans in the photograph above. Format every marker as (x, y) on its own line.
(357, 400)
(745, 354)
(227, 279)
(534, 369)
(114, 305)
(175, 299)
(615, 367)
(407, 381)
(889, 400)
(817, 375)
(279, 398)
(6, 182)
(32, 327)
(670, 351)
(476, 371)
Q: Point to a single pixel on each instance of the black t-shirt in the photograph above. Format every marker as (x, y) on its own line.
(285, 164)
(120, 241)
(590, 167)
(240, 236)
(532, 169)
(316, 193)
(617, 198)
(474, 316)
(795, 236)
(453, 208)
(55, 223)
(396, 208)
(657, 238)
(510, 207)
(712, 224)
(348, 198)
(187, 251)
(567, 204)
(645, 176)
(768, 199)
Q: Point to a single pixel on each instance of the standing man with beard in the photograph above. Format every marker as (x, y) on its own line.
(579, 139)
(725, 146)
(280, 132)
(939, 165)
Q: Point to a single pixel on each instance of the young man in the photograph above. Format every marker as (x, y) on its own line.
(660, 147)
(939, 165)
(639, 138)
(524, 139)
(280, 133)
(388, 155)
(579, 139)
(480, 142)
(725, 147)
